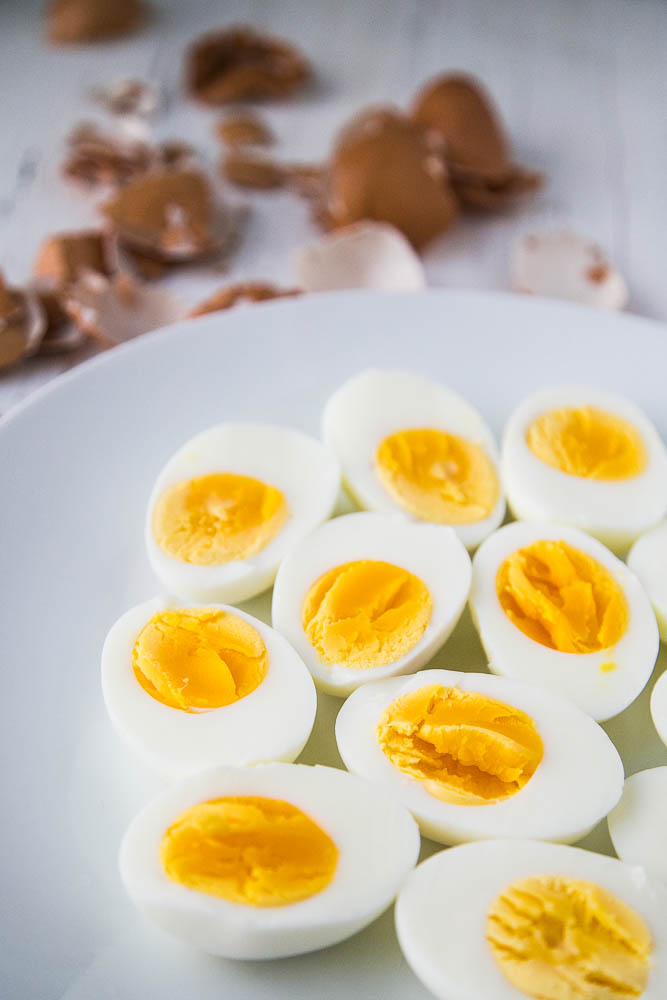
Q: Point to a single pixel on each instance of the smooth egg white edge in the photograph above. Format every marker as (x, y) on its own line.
(648, 561)
(378, 844)
(638, 824)
(658, 705)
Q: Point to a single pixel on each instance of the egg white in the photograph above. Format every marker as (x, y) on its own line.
(659, 706)
(271, 723)
(577, 676)
(432, 552)
(377, 839)
(374, 404)
(578, 781)
(648, 560)
(638, 824)
(302, 468)
(614, 511)
(442, 910)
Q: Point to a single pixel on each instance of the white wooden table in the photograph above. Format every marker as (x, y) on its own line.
(582, 85)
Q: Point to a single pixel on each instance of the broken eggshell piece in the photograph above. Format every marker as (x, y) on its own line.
(565, 265)
(242, 293)
(92, 20)
(116, 309)
(22, 325)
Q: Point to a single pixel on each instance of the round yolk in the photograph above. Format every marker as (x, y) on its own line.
(465, 747)
(584, 441)
(366, 613)
(217, 518)
(562, 598)
(437, 476)
(557, 938)
(199, 659)
(250, 850)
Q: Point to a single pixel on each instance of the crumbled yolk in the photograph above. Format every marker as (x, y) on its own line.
(199, 659)
(557, 938)
(245, 849)
(437, 476)
(465, 747)
(562, 598)
(584, 441)
(217, 518)
(366, 613)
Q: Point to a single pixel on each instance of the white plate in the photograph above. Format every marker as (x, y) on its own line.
(77, 464)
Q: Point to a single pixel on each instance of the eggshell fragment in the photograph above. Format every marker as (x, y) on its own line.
(117, 309)
(64, 257)
(565, 265)
(22, 325)
(128, 97)
(244, 130)
(252, 171)
(240, 293)
(363, 255)
(92, 20)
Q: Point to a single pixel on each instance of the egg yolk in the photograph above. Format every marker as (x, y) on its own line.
(562, 598)
(585, 441)
(366, 613)
(437, 476)
(217, 518)
(464, 747)
(199, 659)
(558, 938)
(250, 850)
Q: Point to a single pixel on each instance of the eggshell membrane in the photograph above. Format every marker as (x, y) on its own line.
(305, 472)
(577, 676)
(271, 723)
(638, 824)
(374, 404)
(579, 779)
(659, 707)
(377, 839)
(432, 552)
(441, 912)
(648, 560)
(614, 511)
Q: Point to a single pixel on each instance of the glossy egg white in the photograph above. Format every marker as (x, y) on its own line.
(374, 404)
(431, 552)
(377, 839)
(271, 723)
(577, 676)
(614, 511)
(578, 781)
(302, 468)
(441, 912)
(648, 561)
(659, 706)
(638, 824)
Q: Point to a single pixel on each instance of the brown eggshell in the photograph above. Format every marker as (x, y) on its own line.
(65, 256)
(251, 171)
(242, 292)
(22, 325)
(115, 309)
(243, 130)
(92, 20)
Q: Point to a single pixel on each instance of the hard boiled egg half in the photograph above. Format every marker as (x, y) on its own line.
(366, 596)
(510, 920)
(554, 607)
(230, 503)
(189, 687)
(474, 756)
(585, 457)
(268, 861)
(408, 445)
(638, 824)
(648, 560)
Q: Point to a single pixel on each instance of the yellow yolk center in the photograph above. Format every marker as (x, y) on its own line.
(465, 747)
(217, 518)
(437, 476)
(584, 441)
(245, 849)
(557, 938)
(366, 613)
(196, 659)
(562, 598)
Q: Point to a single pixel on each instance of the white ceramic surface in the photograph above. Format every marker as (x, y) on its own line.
(77, 462)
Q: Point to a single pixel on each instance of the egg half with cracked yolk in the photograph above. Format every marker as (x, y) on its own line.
(230, 503)
(366, 596)
(511, 920)
(554, 607)
(408, 445)
(585, 457)
(475, 756)
(190, 687)
(268, 861)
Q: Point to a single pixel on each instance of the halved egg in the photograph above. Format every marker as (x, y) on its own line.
(408, 445)
(230, 503)
(659, 706)
(638, 824)
(189, 687)
(507, 920)
(648, 560)
(554, 607)
(366, 596)
(268, 861)
(474, 756)
(585, 457)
